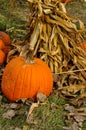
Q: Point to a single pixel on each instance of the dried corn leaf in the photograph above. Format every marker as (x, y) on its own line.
(74, 88)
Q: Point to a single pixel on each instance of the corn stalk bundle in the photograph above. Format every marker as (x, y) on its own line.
(54, 36)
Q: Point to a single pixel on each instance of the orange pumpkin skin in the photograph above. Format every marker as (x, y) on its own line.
(6, 49)
(24, 80)
(1, 44)
(5, 38)
(63, 1)
(83, 46)
(2, 57)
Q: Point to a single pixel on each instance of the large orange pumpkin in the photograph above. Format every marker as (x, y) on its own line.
(2, 57)
(25, 80)
(5, 38)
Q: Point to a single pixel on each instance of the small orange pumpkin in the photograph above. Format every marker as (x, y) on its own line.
(83, 46)
(5, 38)
(1, 44)
(6, 49)
(25, 80)
(2, 57)
(63, 1)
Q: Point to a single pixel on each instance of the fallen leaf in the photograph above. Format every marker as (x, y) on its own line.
(74, 126)
(25, 127)
(66, 128)
(14, 105)
(34, 105)
(79, 118)
(80, 124)
(69, 108)
(5, 105)
(41, 97)
(17, 128)
(54, 106)
(9, 114)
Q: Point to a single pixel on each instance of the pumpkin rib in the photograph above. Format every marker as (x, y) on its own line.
(45, 83)
(44, 74)
(17, 82)
(10, 77)
(18, 91)
(17, 77)
(5, 38)
(6, 89)
(25, 80)
(33, 92)
(38, 74)
(2, 57)
(33, 89)
(42, 83)
(22, 88)
(42, 80)
(1, 44)
(29, 78)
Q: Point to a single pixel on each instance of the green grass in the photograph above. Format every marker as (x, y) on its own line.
(84, 125)
(13, 20)
(49, 115)
(17, 121)
(77, 9)
(48, 118)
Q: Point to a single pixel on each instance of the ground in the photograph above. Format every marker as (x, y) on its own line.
(51, 114)
(77, 9)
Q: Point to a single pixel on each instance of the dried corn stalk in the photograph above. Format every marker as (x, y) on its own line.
(53, 37)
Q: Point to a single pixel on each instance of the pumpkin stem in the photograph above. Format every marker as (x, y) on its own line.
(28, 54)
(28, 49)
(29, 57)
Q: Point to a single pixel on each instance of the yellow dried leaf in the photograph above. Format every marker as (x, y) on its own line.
(34, 36)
